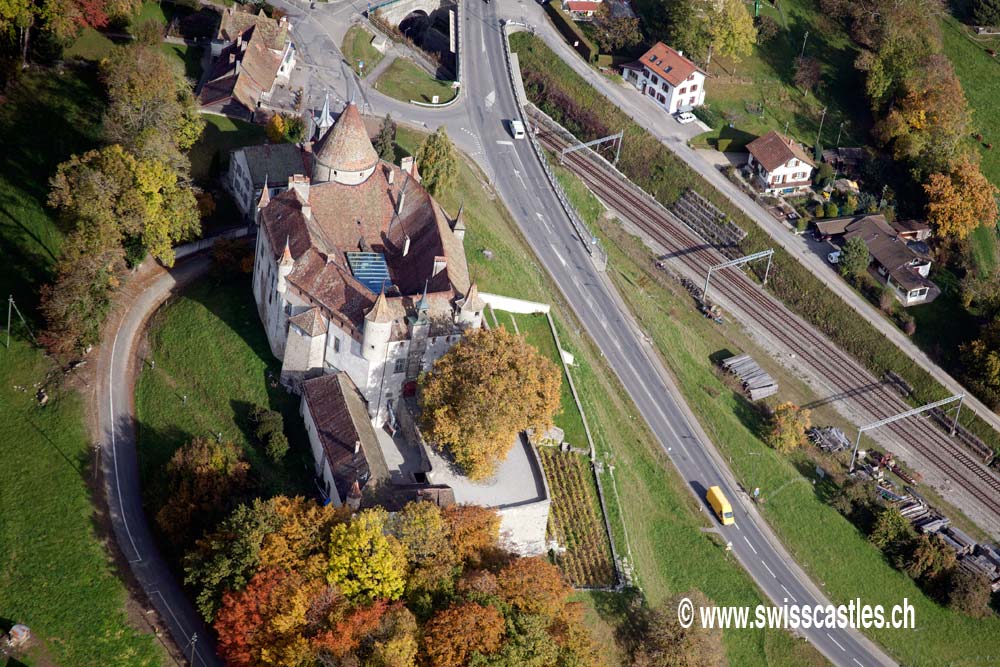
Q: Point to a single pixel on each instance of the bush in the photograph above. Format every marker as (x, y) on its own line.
(767, 29)
(824, 174)
(831, 210)
(277, 446)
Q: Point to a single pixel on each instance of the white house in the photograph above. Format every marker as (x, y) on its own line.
(779, 164)
(667, 77)
(581, 9)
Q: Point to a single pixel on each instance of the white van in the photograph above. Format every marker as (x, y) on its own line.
(517, 129)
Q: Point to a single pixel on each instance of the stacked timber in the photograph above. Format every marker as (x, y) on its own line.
(757, 382)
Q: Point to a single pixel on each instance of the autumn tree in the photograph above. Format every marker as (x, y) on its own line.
(854, 258)
(109, 196)
(424, 535)
(616, 32)
(482, 393)
(893, 534)
(275, 129)
(203, 477)
(808, 73)
(969, 593)
(664, 642)
(454, 635)
(385, 140)
(472, 531)
(787, 427)
(732, 29)
(930, 558)
(437, 162)
(394, 643)
(349, 628)
(365, 563)
(151, 109)
(929, 119)
(533, 586)
(687, 27)
(981, 364)
(960, 201)
(301, 536)
(229, 556)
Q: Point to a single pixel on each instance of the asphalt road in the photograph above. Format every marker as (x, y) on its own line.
(521, 182)
(120, 468)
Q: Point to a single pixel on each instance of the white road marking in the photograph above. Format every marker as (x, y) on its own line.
(857, 663)
(177, 621)
(789, 594)
(835, 642)
(767, 568)
(490, 99)
(114, 456)
(544, 222)
(558, 256)
(751, 546)
(505, 143)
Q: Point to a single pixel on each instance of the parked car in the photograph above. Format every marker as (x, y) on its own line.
(685, 117)
(516, 129)
(833, 257)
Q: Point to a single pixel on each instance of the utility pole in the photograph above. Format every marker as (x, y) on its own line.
(801, 55)
(821, 119)
(839, 132)
(10, 303)
(192, 644)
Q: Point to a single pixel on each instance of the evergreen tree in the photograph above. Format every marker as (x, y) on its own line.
(437, 162)
(385, 141)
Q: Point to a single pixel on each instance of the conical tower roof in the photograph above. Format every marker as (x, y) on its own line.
(380, 311)
(346, 146)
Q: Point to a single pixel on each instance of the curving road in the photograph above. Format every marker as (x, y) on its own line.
(476, 125)
(116, 420)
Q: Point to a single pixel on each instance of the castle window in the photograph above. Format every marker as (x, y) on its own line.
(400, 366)
(336, 345)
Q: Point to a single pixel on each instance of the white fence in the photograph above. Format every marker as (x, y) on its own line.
(512, 305)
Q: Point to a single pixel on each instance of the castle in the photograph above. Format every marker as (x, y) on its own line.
(361, 282)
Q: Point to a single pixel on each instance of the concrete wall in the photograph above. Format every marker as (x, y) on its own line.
(512, 305)
(395, 12)
(204, 244)
(522, 528)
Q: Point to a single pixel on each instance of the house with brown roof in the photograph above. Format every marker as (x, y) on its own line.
(667, 77)
(778, 164)
(251, 54)
(899, 255)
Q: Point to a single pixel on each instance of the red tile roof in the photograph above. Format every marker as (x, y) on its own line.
(582, 6)
(241, 73)
(669, 64)
(773, 150)
(311, 321)
(346, 146)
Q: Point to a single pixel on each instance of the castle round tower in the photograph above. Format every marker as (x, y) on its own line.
(378, 330)
(345, 154)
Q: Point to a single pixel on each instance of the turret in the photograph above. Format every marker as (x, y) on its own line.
(470, 308)
(265, 199)
(345, 153)
(285, 266)
(378, 329)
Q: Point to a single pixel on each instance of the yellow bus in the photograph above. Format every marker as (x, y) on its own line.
(721, 506)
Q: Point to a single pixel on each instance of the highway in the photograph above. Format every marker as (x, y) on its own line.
(521, 183)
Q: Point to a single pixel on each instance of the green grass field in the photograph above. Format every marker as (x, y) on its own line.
(210, 155)
(357, 47)
(227, 376)
(828, 547)
(57, 576)
(188, 56)
(663, 520)
(757, 94)
(405, 81)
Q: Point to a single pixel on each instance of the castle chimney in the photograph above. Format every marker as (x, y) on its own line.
(406, 245)
(357, 446)
(307, 211)
(391, 176)
(439, 265)
(406, 164)
(399, 204)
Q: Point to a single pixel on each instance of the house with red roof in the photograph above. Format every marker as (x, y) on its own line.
(778, 164)
(668, 78)
(580, 10)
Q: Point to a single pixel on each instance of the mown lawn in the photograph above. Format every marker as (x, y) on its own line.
(211, 364)
(188, 56)
(357, 48)
(210, 155)
(836, 555)
(663, 520)
(405, 81)
(57, 576)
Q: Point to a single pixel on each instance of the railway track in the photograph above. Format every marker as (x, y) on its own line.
(841, 370)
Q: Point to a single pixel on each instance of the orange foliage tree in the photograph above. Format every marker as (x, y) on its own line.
(453, 635)
(472, 531)
(533, 586)
(960, 201)
(482, 393)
